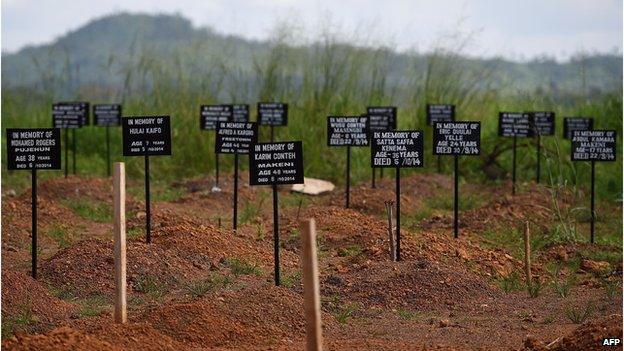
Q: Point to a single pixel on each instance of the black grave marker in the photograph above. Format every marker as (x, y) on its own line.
(107, 115)
(70, 115)
(515, 125)
(571, 124)
(457, 139)
(274, 164)
(543, 124)
(594, 146)
(347, 131)
(397, 149)
(440, 113)
(235, 138)
(272, 114)
(33, 149)
(147, 136)
(209, 116)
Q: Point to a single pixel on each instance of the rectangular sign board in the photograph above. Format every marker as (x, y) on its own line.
(272, 114)
(593, 145)
(146, 135)
(236, 137)
(440, 113)
(210, 115)
(512, 124)
(543, 122)
(347, 131)
(276, 163)
(107, 115)
(240, 113)
(382, 118)
(33, 148)
(457, 138)
(397, 149)
(571, 124)
(68, 115)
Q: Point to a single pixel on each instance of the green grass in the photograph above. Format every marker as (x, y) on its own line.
(446, 202)
(344, 313)
(579, 314)
(511, 282)
(150, 285)
(202, 287)
(91, 210)
(60, 234)
(19, 322)
(560, 283)
(350, 251)
(135, 233)
(160, 190)
(94, 305)
(406, 315)
(240, 267)
(290, 280)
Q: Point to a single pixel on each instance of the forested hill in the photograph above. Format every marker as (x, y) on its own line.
(110, 51)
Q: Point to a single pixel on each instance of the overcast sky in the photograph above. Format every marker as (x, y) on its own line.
(516, 29)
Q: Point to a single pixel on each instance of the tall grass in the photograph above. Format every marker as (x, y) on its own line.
(324, 77)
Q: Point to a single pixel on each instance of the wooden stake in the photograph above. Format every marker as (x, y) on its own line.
(311, 295)
(391, 229)
(119, 203)
(527, 253)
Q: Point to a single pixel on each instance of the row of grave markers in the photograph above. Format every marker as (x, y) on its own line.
(282, 163)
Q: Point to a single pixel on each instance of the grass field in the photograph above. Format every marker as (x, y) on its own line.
(335, 79)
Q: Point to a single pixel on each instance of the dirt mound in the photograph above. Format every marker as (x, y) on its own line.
(444, 247)
(134, 335)
(254, 314)
(87, 268)
(415, 190)
(28, 305)
(339, 228)
(180, 249)
(73, 187)
(16, 218)
(197, 242)
(408, 284)
(588, 336)
(507, 211)
(63, 338)
(343, 229)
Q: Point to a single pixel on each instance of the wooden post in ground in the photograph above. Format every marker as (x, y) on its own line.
(311, 294)
(391, 230)
(527, 253)
(119, 229)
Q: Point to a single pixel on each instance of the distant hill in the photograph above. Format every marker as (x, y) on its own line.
(108, 50)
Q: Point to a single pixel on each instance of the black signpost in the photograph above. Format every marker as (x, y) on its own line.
(274, 164)
(209, 116)
(147, 136)
(347, 131)
(240, 113)
(516, 125)
(594, 146)
(397, 149)
(235, 138)
(70, 115)
(381, 119)
(456, 138)
(33, 149)
(440, 113)
(570, 124)
(272, 114)
(107, 115)
(543, 124)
